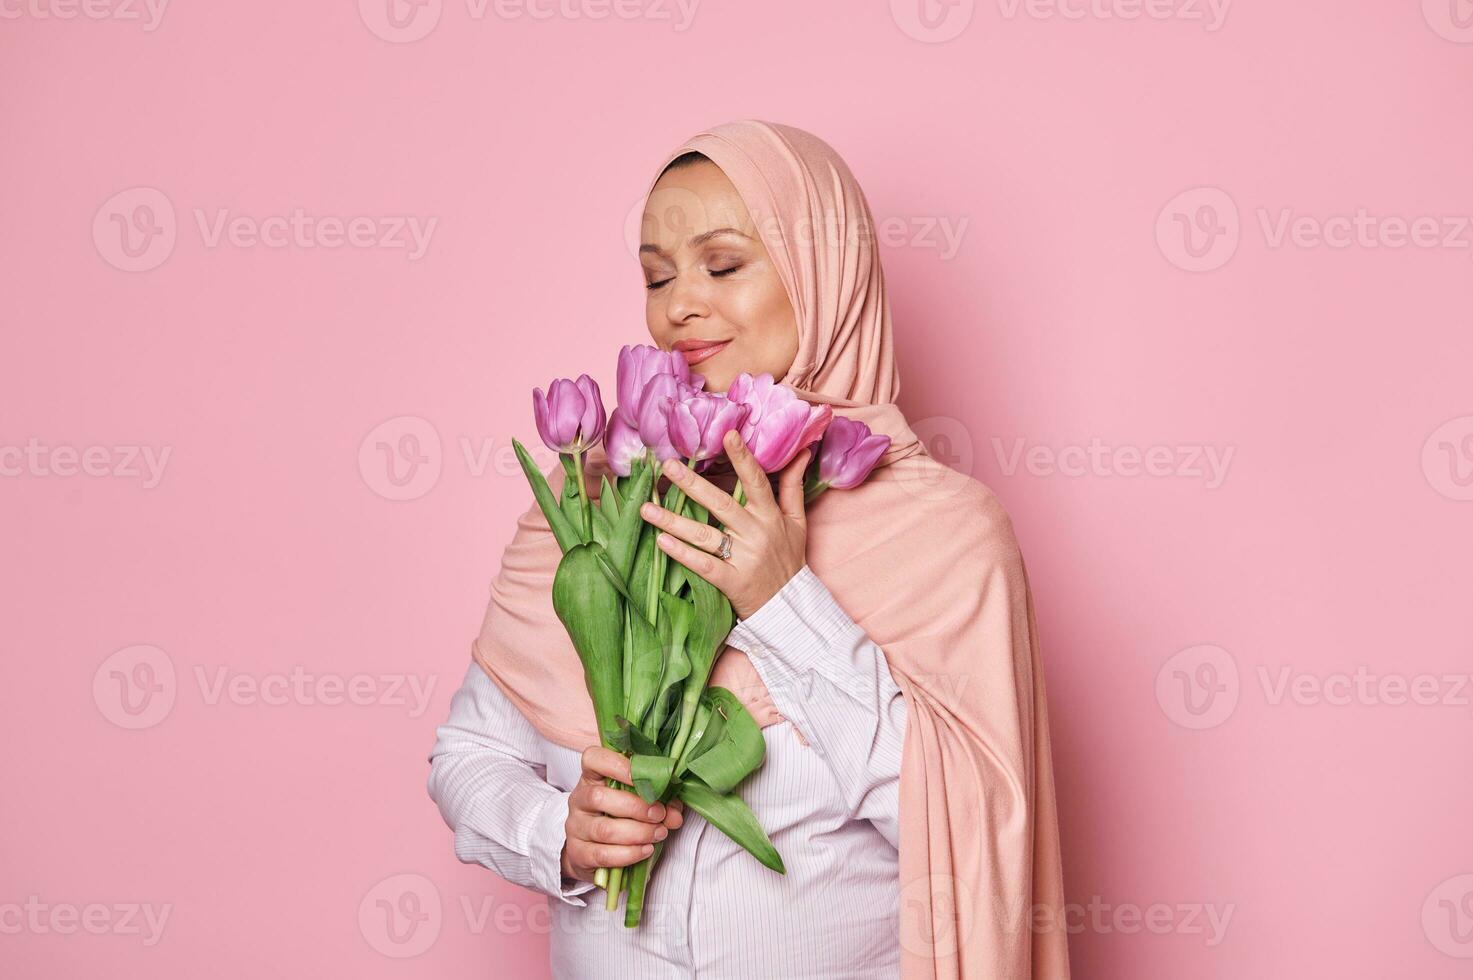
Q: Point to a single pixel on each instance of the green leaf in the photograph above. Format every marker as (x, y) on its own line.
(625, 539)
(675, 628)
(609, 501)
(651, 774)
(564, 530)
(592, 612)
(603, 531)
(646, 662)
(703, 734)
(635, 741)
(737, 748)
(642, 570)
(728, 814)
(713, 623)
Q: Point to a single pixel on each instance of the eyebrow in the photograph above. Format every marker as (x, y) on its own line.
(698, 240)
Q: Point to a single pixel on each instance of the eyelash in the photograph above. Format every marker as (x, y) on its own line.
(716, 274)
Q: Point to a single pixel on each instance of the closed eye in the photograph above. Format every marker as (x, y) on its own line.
(656, 285)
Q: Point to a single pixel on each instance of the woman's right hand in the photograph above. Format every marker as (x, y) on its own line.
(607, 827)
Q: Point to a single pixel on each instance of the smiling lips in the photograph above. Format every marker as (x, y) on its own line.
(696, 351)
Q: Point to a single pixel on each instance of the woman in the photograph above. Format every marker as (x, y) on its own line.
(885, 642)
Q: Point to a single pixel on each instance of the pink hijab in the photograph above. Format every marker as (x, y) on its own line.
(922, 557)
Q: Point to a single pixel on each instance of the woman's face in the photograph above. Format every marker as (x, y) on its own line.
(713, 292)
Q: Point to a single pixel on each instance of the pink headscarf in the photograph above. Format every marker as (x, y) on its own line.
(922, 557)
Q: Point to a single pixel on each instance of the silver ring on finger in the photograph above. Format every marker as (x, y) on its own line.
(723, 550)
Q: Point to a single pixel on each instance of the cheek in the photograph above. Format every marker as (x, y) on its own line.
(769, 331)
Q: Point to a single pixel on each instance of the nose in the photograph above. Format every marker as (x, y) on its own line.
(687, 300)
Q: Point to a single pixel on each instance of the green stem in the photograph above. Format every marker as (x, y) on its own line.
(740, 494)
(616, 885)
(657, 565)
(688, 708)
(585, 503)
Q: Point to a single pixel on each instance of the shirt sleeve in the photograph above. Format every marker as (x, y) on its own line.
(833, 682)
(488, 777)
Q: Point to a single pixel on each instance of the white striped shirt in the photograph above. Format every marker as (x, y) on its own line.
(830, 807)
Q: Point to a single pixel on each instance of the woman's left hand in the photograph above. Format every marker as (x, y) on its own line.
(769, 537)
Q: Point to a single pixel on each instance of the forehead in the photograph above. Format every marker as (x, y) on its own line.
(689, 201)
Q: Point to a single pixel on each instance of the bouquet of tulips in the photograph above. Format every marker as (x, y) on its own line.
(648, 630)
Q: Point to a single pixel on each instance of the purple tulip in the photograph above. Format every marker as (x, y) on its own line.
(700, 420)
(622, 444)
(779, 423)
(639, 364)
(570, 417)
(848, 453)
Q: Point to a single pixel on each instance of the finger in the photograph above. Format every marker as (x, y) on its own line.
(754, 478)
(703, 536)
(707, 494)
(790, 487)
(675, 815)
(602, 829)
(619, 803)
(708, 567)
(600, 763)
(589, 855)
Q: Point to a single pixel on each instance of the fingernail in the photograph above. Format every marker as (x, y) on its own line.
(663, 541)
(657, 812)
(661, 834)
(647, 849)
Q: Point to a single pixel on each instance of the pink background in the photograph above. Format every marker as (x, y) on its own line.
(1072, 152)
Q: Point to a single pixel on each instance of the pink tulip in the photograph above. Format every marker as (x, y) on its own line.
(848, 453)
(622, 444)
(653, 415)
(639, 364)
(570, 417)
(779, 423)
(700, 420)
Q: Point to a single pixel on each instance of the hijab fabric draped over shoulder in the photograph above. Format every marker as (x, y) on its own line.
(920, 556)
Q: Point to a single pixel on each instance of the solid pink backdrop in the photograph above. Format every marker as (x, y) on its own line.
(256, 477)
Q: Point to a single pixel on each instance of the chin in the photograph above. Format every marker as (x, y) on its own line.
(717, 379)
